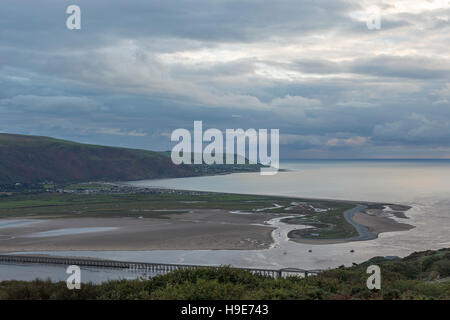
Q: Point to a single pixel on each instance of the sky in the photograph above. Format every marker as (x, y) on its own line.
(136, 70)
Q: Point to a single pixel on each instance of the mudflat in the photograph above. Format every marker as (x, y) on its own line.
(196, 229)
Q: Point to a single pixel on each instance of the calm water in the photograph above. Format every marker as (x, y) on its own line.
(69, 231)
(425, 185)
(16, 223)
(28, 272)
(371, 180)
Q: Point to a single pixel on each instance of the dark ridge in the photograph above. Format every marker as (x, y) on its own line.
(33, 159)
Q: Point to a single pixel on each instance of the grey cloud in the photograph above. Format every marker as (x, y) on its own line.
(415, 67)
(403, 67)
(204, 20)
(53, 104)
(305, 67)
(415, 129)
(120, 132)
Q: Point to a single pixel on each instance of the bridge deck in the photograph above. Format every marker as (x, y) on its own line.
(141, 267)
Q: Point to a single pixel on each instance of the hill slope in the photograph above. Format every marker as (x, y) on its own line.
(29, 159)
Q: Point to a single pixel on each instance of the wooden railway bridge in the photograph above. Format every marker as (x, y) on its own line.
(142, 267)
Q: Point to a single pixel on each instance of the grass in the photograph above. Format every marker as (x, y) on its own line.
(326, 225)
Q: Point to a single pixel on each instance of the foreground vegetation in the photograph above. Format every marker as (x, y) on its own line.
(423, 275)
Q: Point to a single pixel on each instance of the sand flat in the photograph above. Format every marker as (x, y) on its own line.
(197, 229)
(378, 224)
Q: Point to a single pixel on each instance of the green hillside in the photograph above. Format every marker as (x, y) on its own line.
(31, 159)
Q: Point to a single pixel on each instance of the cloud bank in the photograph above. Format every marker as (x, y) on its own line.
(137, 70)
